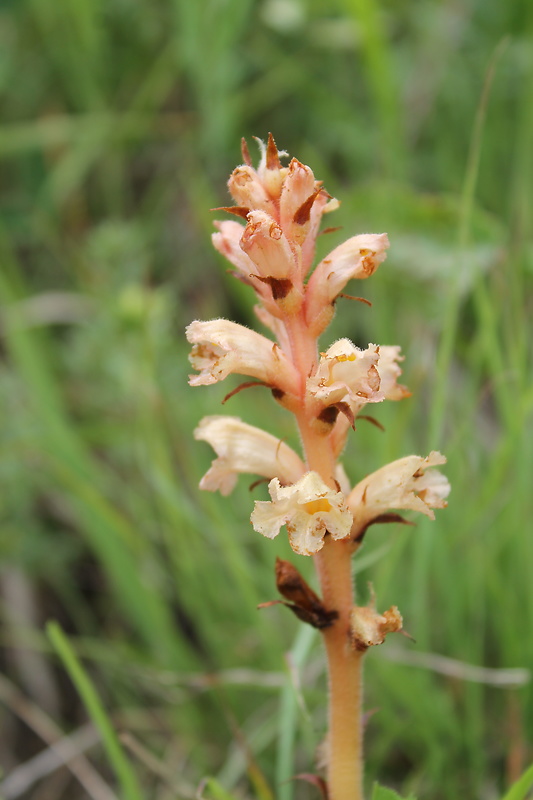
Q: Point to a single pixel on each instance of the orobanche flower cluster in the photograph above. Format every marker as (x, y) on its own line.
(273, 253)
(271, 247)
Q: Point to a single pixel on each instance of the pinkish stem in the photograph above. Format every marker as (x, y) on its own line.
(333, 564)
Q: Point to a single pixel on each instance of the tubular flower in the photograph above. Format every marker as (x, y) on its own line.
(227, 240)
(403, 484)
(359, 257)
(242, 448)
(221, 347)
(347, 374)
(309, 509)
(248, 190)
(267, 246)
(368, 627)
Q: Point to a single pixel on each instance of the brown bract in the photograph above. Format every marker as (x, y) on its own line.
(304, 602)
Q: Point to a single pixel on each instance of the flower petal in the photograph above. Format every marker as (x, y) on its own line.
(243, 448)
(389, 372)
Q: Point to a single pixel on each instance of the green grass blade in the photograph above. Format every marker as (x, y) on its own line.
(215, 789)
(383, 793)
(522, 786)
(121, 766)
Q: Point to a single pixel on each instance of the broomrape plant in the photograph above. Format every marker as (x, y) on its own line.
(311, 496)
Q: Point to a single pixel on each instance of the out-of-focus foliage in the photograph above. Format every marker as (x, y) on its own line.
(121, 120)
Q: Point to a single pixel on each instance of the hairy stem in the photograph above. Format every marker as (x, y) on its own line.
(345, 737)
(333, 563)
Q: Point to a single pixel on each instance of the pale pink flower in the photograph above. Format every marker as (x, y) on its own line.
(221, 347)
(358, 257)
(243, 448)
(346, 374)
(267, 247)
(309, 509)
(403, 484)
(227, 240)
(248, 190)
(298, 195)
(299, 184)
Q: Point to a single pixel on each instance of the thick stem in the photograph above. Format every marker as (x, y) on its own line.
(345, 737)
(333, 563)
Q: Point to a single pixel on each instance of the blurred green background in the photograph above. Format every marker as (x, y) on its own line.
(121, 121)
